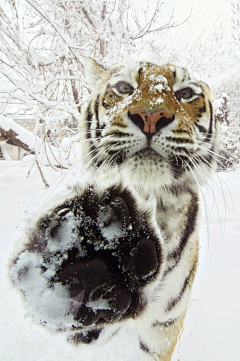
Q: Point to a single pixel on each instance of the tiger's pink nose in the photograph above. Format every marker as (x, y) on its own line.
(148, 122)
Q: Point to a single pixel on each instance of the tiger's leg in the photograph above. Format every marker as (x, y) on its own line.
(158, 338)
(170, 334)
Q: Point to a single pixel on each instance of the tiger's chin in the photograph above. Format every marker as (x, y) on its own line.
(147, 168)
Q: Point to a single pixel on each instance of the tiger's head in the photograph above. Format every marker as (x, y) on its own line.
(152, 122)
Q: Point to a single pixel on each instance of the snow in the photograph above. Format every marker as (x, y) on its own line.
(5, 153)
(100, 304)
(64, 237)
(211, 330)
(51, 304)
(111, 230)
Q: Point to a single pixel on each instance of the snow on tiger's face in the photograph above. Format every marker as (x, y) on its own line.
(154, 122)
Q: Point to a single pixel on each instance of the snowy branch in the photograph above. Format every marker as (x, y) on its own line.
(17, 135)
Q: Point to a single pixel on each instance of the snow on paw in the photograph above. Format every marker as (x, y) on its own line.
(87, 261)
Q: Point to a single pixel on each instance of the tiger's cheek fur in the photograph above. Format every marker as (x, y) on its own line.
(109, 99)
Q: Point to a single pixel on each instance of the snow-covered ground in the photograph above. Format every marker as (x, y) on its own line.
(212, 326)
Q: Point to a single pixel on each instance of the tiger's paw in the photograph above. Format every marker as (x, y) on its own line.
(87, 261)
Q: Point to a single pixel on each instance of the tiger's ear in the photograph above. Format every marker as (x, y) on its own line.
(94, 71)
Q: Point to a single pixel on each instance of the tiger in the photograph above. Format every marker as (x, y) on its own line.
(117, 250)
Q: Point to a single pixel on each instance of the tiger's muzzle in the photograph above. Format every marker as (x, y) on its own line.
(150, 122)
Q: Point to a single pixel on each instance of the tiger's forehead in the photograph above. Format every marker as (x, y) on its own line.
(144, 72)
(155, 87)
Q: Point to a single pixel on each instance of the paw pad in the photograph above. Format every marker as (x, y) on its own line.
(102, 251)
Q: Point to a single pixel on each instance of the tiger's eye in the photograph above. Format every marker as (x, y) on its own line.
(186, 93)
(124, 87)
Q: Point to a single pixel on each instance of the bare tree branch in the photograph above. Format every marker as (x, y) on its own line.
(13, 138)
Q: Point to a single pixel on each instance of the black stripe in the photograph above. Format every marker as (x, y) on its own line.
(89, 120)
(96, 109)
(201, 128)
(190, 227)
(210, 130)
(202, 109)
(117, 157)
(105, 105)
(120, 125)
(201, 95)
(174, 301)
(179, 140)
(115, 333)
(144, 347)
(89, 123)
(140, 72)
(206, 160)
(177, 164)
(118, 134)
(181, 131)
(194, 84)
(86, 336)
(165, 324)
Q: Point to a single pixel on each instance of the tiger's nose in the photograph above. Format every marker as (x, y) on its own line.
(150, 123)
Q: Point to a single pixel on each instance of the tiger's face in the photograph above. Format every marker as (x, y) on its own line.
(155, 123)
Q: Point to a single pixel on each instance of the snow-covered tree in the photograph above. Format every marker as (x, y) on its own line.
(45, 46)
(230, 131)
(222, 109)
(235, 18)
